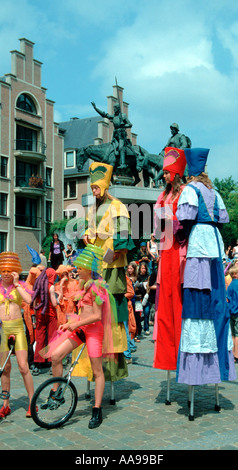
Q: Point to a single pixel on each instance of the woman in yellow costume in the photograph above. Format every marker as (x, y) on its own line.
(109, 228)
(12, 293)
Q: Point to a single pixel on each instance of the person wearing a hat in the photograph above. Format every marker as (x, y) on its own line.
(109, 228)
(142, 255)
(66, 287)
(172, 250)
(12, 293)
(45, 303)
(94, 320)
(205, 354)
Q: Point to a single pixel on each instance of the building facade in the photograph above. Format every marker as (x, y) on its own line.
(31, 157)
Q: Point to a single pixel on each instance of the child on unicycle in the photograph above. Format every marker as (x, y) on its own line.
(94, 322)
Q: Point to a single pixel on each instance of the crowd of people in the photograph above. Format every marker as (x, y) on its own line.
(183, 291)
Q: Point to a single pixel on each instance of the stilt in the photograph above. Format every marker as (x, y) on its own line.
(168, 402)
(217, 405)
(88, 393)
(112, 400)
(191, 403)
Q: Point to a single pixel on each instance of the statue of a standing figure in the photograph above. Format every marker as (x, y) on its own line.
(119, 139)
(179, 141)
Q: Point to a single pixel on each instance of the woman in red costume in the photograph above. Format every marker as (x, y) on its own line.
(12, 293)
(171, 265)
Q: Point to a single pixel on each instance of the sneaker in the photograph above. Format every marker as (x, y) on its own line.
(147, 332)
(5, 411)
(53, 401)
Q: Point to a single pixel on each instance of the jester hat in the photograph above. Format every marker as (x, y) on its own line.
(196, 160)
(174, 161)
(91, 259)
(10, 260)
(100, 175)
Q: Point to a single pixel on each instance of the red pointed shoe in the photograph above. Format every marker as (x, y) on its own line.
(5, 411)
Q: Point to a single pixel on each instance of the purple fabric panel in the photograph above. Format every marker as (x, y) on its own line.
(198, 369)
(232, 371)
(197, 274)
(202, 369)
(186, 212)
(223, 216)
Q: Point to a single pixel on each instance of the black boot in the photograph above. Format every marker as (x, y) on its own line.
(96, 419)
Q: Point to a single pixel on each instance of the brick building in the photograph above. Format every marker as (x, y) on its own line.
(31, 157)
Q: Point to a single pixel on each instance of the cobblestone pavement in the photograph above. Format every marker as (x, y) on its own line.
(139, 420)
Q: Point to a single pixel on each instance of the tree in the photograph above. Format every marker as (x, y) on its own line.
(228, 189)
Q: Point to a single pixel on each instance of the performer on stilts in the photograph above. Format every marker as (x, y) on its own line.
(205, 354)
(109, 228)
(172, 256)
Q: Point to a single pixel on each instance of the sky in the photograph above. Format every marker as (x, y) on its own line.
(177, 61)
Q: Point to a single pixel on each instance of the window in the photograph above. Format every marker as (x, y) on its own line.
(48, 176)
(48, 211)
(26, 139)
(3, 241)
(3, 204)
(26, 103)
(26, 212)
(70, 189)
(3, 167)
(69, 160)
(23, 172)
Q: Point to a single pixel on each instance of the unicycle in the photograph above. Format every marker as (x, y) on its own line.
(53, 410)
(5, 395)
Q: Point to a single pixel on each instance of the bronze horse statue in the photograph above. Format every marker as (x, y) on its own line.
(137, 160)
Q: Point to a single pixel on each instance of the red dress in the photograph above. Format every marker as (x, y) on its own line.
(168, 320)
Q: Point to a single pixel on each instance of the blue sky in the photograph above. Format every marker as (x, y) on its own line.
(177, 61)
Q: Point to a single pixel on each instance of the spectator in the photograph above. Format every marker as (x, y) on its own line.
(142, 255)
(43, 258)
(57, 249)
(235, 251)
(232, 298)
(152, 250)
(140, 290)
(70, 253)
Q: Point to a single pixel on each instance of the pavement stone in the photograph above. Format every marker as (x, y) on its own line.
(139, 421)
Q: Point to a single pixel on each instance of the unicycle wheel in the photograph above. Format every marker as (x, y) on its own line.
(51, 413)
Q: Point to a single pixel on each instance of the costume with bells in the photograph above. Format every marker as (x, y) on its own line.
(109, 228)
(167, 324)
(205, 355)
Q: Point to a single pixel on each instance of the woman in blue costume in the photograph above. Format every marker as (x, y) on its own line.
(205, 354)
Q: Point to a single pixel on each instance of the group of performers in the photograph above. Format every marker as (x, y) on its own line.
(191, 328)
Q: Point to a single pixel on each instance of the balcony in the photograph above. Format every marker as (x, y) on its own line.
(33, 185)
(30, 149)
